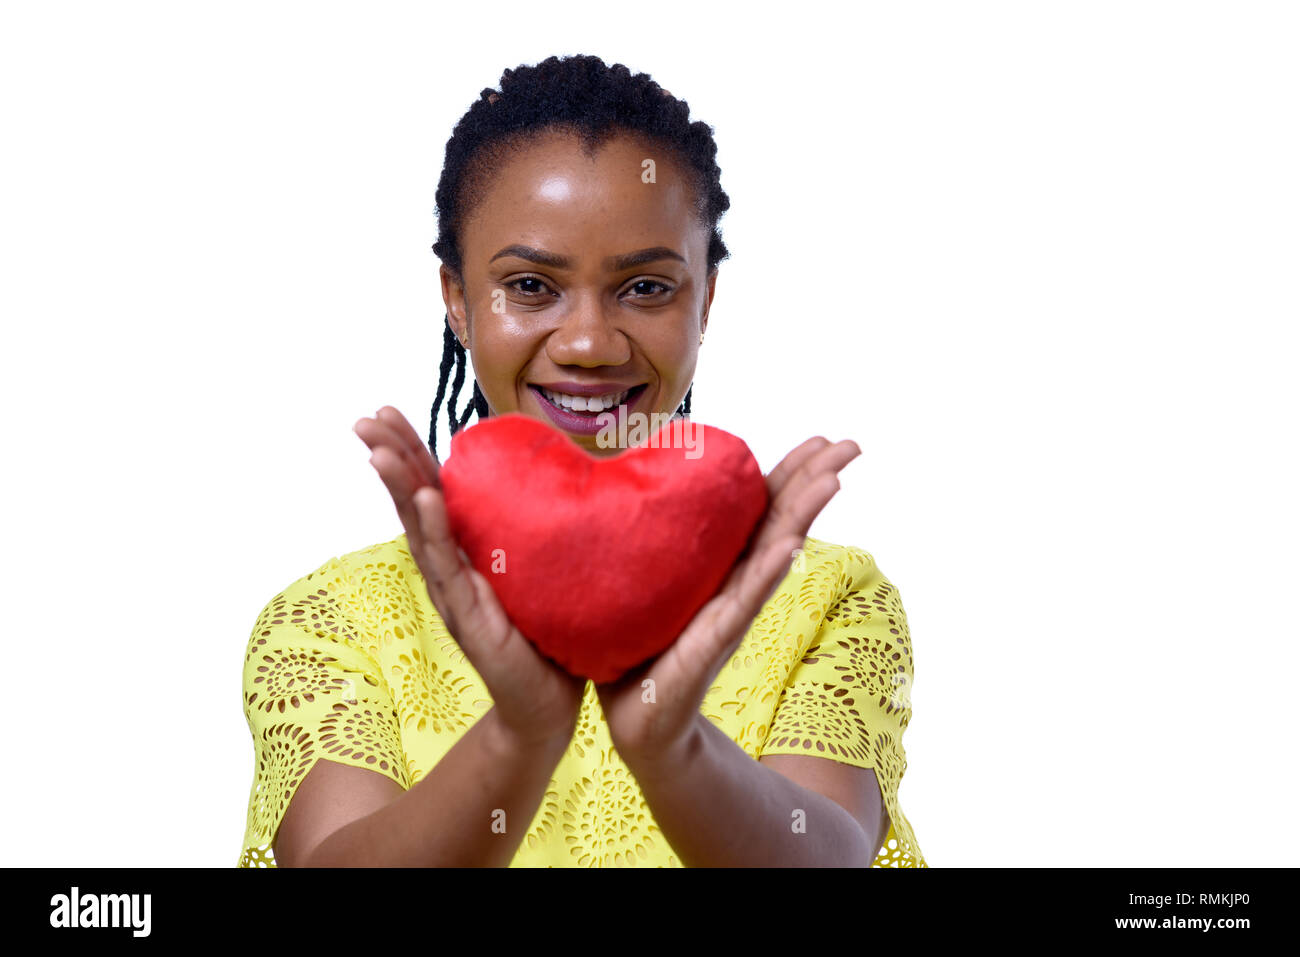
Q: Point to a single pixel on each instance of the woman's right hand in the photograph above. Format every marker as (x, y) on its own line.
(536, 700)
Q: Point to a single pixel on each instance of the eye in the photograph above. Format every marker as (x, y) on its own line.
(645, 288)
(528, 286)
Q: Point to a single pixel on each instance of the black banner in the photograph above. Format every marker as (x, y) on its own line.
(1225, 907)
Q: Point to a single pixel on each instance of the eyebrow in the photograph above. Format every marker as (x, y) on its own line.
(615, 263)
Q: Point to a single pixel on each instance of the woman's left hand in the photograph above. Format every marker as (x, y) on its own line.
(651, 723)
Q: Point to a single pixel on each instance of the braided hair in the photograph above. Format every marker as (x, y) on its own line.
(578, 94)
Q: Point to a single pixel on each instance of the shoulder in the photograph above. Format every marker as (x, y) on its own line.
(849, 567)
(363, 567)
(393, 555)
(842, 554)
(339, 585)
(846, 582)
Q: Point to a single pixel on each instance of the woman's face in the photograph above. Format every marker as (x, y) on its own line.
(577, 272)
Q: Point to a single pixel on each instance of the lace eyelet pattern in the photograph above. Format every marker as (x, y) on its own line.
(352, 663)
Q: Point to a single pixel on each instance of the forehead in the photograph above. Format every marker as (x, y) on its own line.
(549, 192)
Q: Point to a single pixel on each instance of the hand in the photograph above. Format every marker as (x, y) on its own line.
(536, 701)
(645, 732)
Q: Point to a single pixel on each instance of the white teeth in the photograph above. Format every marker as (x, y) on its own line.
(577, 403)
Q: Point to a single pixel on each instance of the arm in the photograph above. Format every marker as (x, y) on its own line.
(855, 789)
(718, 807)
(347, 816)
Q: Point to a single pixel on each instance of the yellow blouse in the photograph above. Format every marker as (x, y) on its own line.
(353, 663)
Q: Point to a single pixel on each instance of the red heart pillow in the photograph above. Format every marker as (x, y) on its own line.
(601, 562)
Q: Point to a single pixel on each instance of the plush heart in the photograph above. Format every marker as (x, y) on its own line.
(601, 562)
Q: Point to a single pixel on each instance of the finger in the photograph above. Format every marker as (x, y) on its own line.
(800, 503)
(462, 596)
(376, 432)
(757, 583)
(372, 432)
(777, 478)
(800, 508)
(825, 461)
(803, 466)
(446, 570)
(832, 458)
(732, 613)
(817, 455)
(397, 479)
(419, 452)
(757, 587)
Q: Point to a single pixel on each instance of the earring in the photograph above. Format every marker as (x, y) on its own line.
(701, 338)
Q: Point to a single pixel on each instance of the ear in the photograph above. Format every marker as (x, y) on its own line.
(453, 295)
(710, 283)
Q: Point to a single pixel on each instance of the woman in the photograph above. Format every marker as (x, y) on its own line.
(399, 718)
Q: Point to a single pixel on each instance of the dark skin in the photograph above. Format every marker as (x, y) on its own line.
(587, 321)
(591, 319)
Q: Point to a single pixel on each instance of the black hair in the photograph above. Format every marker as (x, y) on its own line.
(578, 94)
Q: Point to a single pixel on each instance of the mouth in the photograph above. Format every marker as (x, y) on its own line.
(576, 417)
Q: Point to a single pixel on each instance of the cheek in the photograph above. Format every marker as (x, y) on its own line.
(675, 361)
(675, 370)
(501, 348)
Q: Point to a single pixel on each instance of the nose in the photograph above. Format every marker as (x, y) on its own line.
(589, 334)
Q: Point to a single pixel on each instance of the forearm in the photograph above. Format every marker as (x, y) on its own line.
(471, 810)
(718, 807)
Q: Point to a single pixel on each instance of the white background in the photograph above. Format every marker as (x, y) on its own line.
(1039, 259)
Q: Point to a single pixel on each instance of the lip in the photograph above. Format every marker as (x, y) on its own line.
(585, 390)
(587, 424)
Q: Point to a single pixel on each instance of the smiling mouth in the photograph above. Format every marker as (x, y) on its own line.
(549, 398)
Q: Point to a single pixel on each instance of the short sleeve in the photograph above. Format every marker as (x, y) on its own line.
(311, 690)
(849, 697)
